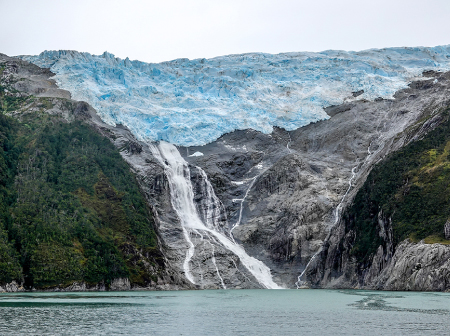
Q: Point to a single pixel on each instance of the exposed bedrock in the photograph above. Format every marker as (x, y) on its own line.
(284, 190)
(212, 265)
(413, 266)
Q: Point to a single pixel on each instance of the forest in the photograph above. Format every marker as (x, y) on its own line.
(70, 209)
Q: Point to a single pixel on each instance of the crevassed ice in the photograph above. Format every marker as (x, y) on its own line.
(193, 102)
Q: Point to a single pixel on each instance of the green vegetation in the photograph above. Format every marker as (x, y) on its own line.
(70, 209)
(412, 187)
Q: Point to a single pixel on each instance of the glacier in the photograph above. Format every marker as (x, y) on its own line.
(193, 102)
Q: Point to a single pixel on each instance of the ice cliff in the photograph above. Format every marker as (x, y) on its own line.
(193, 102)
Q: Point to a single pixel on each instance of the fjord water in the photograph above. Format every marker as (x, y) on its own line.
(226, 312)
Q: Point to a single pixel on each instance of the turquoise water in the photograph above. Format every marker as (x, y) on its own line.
(226, 312)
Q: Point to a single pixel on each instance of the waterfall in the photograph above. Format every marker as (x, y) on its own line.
(182, 199)
(241, 208)
(211, 209)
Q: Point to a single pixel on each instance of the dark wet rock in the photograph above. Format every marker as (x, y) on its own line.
(357, 93)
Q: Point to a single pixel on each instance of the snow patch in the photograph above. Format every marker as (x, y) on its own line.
(197, 154)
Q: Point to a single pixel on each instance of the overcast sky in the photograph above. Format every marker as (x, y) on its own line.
(162, 30)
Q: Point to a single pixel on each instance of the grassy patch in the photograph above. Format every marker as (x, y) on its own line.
(436, 240)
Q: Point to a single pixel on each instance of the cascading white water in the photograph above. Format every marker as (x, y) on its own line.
(182, 198)
(242, 200)
(241, 208)
(299, 281)
(212, 208)
(350, 185)
(289, 142)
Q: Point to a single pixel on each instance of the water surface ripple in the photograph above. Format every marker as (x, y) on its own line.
(226, 312)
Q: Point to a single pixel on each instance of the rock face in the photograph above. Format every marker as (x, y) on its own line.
(413, 266)
(281, 195)
(417, 267)
(447, 230)
(394, 265)
(12, 287)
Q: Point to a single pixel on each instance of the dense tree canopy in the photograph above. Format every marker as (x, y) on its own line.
(70, 209)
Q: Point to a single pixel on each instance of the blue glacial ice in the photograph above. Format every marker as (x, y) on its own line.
(194, 102)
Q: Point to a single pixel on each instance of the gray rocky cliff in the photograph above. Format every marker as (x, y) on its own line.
(12, 287)
(392, 267)
(415, 266)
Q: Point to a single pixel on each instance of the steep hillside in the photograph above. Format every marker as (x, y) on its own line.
(71, 211)
(272, 192)
(411, 187)
(392, 236)
(288, 190)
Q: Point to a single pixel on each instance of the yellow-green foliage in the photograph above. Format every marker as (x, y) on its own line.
(432, 239)
(51, 261)
(107, 203)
